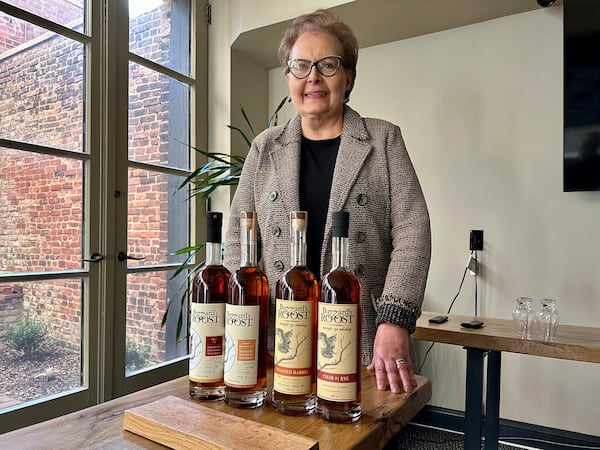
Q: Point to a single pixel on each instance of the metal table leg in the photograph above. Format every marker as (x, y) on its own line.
(492, 404)
(473, 400)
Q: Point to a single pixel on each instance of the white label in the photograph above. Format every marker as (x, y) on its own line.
(337, 355)
(242, 328)
(207, 330)
(293, 369)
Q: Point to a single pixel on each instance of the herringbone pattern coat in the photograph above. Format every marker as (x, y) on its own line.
(374, 180)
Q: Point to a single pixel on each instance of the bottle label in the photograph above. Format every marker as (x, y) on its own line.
(207, 329)
(337, 352)
(242, 328)
(292, 372)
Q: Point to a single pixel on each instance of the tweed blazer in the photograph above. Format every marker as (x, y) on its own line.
(374, 180)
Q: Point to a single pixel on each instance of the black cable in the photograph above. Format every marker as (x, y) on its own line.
(459, 288)
(449, 309)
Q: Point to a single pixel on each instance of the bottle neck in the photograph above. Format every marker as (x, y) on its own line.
(298, 248)
(340, 257)
(248, 254)
(213, 254)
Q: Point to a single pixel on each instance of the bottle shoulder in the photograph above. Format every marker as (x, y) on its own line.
(297, 283)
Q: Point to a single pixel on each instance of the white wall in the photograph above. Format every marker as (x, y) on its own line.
(481, 112)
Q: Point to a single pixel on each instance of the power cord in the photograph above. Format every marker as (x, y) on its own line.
(450, 308)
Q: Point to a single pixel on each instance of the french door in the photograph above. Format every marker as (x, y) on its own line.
(100, 102)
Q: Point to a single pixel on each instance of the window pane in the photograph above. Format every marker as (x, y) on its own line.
(158, 217)
(159, 30)
(40, 340)
(158, 118)
(69, 13)
(41, 212)
(45, 102)
(148, 343)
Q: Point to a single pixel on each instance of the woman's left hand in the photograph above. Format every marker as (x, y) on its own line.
(391, 359)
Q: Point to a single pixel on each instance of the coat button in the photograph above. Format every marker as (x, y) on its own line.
(360, 270)
(278, 266)
(272, 196)
(276, 231)
(361, 199)
(360, 237)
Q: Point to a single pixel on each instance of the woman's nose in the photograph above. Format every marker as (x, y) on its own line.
(314, 74)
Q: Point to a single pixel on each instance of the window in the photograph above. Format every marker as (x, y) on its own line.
(94, 142)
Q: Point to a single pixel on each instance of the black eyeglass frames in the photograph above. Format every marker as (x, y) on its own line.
(327, 66)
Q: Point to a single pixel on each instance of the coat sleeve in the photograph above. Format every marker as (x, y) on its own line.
(402, 296)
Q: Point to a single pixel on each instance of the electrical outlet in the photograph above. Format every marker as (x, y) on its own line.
(476, 240)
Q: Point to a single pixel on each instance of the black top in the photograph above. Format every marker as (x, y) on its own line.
(317, 162)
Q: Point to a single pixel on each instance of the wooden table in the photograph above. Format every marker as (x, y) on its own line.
(101, 426)
(497, 336)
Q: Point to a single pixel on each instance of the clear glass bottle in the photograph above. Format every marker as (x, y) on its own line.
(297, 293)
(547, 320)
(207, 318)
(523, 317)
(246, 322)
(339, 333)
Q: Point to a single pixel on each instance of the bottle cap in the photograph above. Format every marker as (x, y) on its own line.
(298, 220)
(339, 223)
(214, 222)
(248, 220)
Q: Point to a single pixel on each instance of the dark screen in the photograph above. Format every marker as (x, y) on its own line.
(581, 95)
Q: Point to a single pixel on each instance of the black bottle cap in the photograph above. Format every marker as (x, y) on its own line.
(339, 223)
(214, 222)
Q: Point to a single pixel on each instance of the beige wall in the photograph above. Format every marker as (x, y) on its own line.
(481, 112)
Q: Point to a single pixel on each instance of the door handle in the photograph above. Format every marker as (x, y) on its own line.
(122, 256)
(94, 258)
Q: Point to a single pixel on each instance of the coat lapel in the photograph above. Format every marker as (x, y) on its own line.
(285, 157)
(353, 151)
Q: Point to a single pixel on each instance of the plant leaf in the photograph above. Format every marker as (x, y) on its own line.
(232, 127)
(247, 120)
(273, 118)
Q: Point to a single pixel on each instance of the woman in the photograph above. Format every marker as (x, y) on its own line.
(328, 158)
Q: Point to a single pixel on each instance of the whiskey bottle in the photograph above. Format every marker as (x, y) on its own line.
(297, 293)
(339, 333)
(246, 321)
(207, 318)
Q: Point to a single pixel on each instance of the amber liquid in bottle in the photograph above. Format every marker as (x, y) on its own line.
(246, 325)
(297, 293)
(207, 318)
(339, 334)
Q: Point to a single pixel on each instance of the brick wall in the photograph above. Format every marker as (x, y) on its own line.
(41, 203)
(14, 32)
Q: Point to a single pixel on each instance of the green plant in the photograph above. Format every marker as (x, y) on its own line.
(221, 169)
(136, 356)
(30, 337)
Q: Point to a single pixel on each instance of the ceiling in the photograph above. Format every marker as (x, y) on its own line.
(380, 21)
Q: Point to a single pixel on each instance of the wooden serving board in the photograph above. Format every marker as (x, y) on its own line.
(184, 424)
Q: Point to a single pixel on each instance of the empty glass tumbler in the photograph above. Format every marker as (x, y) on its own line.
(523, 317)
(547, 320)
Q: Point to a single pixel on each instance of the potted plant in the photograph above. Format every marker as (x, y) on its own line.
(220, 169)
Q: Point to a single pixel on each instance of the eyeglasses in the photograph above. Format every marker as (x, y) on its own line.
(328, 66)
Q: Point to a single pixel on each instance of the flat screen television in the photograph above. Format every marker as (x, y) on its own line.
(581, 149)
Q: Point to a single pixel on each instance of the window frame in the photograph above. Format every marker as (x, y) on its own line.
(105, 157)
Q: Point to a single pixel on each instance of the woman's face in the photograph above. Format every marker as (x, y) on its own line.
(317, 96)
